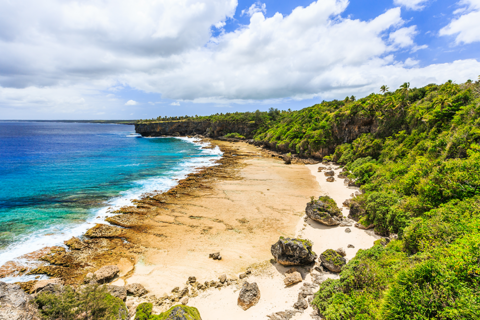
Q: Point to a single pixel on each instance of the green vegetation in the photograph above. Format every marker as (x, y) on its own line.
(333, 257)
(327, 208)
(87, 302)
(144, 312)
(234, 135)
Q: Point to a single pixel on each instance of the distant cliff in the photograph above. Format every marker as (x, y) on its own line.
(188, 127)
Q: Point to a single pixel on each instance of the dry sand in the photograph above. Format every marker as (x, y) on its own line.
(221, 303)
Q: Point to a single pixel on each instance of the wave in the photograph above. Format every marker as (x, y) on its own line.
(56, 235)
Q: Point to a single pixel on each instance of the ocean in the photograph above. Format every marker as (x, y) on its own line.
(58, 179)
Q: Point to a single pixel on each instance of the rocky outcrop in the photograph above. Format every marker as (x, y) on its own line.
(205, 127)
(325, 211)
(106, 274)
(293, 252)
(42, 284)
(15, 303)
(332, 260)
(249, 295)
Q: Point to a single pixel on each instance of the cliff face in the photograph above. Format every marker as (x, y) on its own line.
(206, 128)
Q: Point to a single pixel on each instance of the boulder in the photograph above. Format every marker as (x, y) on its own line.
(356, 210)
(330, 173)
(249, 295)
(330, 179)
(40, 285)
(136, 290)
(178, 312)
(350, 246)
(118, 291)
(320, 169)
(301, 303)
(325, 211)
(106, 273)
(341, 252)
(215, 256)
(15, 303)
(292, 252)
(223, 278)
(191, 280)
(347, 230)
(292, 277)
(332, 260)
(361, 226)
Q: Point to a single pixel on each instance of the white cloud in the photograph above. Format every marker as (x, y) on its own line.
(465, 28)
(412, 4)
(175, 103)
(131, 103)
(58, 52)
(411, 62)
(254, 8)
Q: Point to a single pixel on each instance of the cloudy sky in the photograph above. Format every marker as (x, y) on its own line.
(125, 59)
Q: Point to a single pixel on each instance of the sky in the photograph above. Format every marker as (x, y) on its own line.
(119, 59)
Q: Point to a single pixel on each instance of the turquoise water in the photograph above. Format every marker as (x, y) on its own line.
(58, 179)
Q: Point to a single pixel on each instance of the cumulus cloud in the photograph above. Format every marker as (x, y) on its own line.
(254, 8)
(465, 28)
(61, 51)
(175, 103)
(412, 4)
(131, 103)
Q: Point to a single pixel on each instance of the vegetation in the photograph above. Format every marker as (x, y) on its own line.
(234, 135)
(144, 312)
(88, 302)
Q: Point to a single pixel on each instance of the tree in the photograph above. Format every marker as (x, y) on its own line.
(384, 88)
(405, 89)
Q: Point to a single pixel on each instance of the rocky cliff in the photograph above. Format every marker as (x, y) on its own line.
(206, 128)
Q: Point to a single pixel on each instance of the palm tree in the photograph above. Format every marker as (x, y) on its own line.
(405, 89)
(384, 89)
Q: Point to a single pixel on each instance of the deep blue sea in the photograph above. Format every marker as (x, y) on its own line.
(59, 179)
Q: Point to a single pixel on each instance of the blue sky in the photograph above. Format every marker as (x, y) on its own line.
(141, 59)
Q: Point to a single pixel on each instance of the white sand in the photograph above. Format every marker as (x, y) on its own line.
(222, 303)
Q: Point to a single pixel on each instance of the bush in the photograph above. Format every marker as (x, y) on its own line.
(234, 135)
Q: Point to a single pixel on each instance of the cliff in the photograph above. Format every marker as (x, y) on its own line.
(204, 127)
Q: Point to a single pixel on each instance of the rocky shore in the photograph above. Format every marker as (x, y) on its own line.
(155, 254)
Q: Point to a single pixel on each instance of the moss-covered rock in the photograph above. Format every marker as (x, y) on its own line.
(325, 211)
(292, 252)
(179, 312)
(332, 260)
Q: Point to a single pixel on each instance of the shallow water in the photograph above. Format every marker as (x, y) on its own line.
(58, 179)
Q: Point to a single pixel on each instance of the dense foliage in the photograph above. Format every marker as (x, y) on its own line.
(144, 312)
(89, 302)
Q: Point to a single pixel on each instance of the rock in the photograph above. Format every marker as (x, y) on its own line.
(346, 223)
(347, 230)
(350, 246)
(75, 244)
(292, 277)
(307, 290)
(40, 285)
(184, 301)
(346, 203)
(242, 275)
(325, 211)
(330, 179)
(106, 273)
(136, 290)
(104, 231)
(361, 226)
(191, 280)
(215, 256)
(223, 278)
(320, 169)
(332, 260)
(330, 173)
(356, 210)
(15, 303)
(283, 315)
(342, 175)
(249, 295)
(291, 252)
(301, 303)
(179, 312)
(183, 293)
(341, 252)
(117, 291)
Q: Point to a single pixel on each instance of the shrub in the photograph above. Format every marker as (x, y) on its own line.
(234, 135)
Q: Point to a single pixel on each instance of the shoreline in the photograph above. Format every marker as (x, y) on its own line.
(20, 255)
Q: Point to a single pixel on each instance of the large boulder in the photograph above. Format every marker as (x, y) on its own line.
(15, 303)
(329, 173)
(332, 260)
(179, 312)
(136, 289)
(106, 273)
(325, 211)
(293, 252)
(249, 295)
(292, 277)
(118, 292)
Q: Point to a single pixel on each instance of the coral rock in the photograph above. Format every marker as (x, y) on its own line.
(332, 260)
(249, 295)
(325, 211)
(291, 252)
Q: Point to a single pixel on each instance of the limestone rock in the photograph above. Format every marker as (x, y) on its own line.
(249, 295)
(40, 285)
(15, 303)
(136, 289)
(75, 244)
(223, 278)
(330, 173)
(301, 303)
(357, 210)
(361, 226)
(325, 211)
(215, 256)
(332, 260)
(350, 246)
(320, 169)
(117, 291)
(104, 231)
(291, 252)
(106, 273)
(348, 230)
(292, 277)
(191, 280)
(330, 179)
